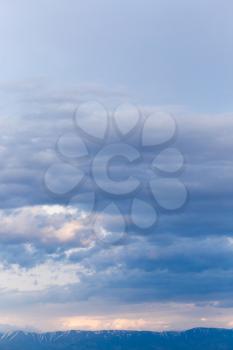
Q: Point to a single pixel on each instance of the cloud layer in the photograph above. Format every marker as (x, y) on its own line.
(50, 256)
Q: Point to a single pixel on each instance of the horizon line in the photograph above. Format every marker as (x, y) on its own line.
(113, 330)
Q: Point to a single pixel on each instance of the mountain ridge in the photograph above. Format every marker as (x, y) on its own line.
(190, 339)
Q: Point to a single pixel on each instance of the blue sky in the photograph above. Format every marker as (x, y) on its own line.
(170, 56)
(164, 52)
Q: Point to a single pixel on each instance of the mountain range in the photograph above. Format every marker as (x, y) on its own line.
(194, 339)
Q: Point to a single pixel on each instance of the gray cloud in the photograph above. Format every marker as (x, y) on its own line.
(187, 257)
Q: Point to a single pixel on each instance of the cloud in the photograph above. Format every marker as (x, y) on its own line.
(187, 256)
(47, 246)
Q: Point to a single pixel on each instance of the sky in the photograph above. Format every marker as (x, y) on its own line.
(72, 71)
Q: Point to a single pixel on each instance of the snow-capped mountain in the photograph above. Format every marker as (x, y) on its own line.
(194, 339)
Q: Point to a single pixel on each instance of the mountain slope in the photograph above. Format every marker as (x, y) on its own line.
(194, 339)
